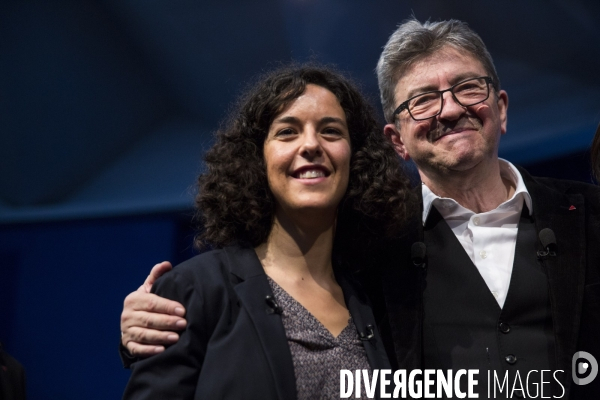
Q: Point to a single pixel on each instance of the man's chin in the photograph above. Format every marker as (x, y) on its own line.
(456, 165)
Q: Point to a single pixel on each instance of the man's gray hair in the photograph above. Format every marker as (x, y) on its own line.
(413, 41)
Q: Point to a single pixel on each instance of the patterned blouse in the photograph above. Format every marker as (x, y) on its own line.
(317, 355)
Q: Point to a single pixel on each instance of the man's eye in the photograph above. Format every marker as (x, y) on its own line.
(424, 100)
(468, 87)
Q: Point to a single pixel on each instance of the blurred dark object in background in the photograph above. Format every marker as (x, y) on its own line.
(595, 155)
(12, 377)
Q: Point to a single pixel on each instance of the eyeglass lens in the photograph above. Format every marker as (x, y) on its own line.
(467, 93)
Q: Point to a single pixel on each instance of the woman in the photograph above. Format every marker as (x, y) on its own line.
(270, 314)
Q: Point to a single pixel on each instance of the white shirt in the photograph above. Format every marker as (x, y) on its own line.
(488, 238)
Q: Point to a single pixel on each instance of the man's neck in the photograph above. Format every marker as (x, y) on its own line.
(477, 190)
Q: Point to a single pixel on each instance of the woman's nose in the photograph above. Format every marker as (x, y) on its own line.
(311, 146)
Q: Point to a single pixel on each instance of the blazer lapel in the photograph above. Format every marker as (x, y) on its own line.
(565, 215)
(363, 318)
(252, 292)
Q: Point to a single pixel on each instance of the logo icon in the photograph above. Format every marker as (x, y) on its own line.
(587, 368)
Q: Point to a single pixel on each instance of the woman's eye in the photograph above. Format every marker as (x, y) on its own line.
(285, 132)
(331, 131)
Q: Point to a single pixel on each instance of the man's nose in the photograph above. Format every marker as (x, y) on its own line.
(451, 109)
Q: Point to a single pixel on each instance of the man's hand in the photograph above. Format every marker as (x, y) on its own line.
(149, 322)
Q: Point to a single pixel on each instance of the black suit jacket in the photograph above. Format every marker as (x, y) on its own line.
(234, 346)
(572, 211)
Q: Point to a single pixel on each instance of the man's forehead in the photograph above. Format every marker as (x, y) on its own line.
(447, 65)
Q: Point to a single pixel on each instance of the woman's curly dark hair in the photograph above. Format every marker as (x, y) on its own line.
(235, 204)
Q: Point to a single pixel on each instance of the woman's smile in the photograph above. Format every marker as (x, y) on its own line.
(311, 173)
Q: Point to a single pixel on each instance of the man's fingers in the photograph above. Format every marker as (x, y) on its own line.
(149, 302)
(157, 271)
(148, 337)
(148, 320)
(161, 322)
(142, 350)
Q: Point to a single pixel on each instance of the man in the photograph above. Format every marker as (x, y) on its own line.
(510, 280)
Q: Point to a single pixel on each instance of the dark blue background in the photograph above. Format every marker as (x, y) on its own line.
(107, 105)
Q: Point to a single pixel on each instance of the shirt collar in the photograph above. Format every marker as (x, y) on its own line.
(507, 171)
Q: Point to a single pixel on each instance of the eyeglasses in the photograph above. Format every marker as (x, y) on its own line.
(429, 104)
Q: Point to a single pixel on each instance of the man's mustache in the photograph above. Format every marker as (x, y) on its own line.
(443, 128)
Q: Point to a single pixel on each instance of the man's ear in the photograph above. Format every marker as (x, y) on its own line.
(393, 135)
(502, 109)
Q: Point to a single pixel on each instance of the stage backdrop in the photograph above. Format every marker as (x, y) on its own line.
(106, 107)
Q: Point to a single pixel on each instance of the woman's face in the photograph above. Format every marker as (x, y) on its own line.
(307, 153)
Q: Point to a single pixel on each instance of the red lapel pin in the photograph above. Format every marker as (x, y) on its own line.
(571, 208)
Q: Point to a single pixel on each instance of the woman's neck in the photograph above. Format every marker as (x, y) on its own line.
(297, 256)
(298, 250)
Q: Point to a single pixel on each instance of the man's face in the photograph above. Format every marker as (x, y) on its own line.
(459, 138)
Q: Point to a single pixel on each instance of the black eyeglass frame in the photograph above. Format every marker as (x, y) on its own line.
(404, 105)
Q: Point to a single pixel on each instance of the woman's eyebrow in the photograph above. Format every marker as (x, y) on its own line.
(287, 120)
(327, 120)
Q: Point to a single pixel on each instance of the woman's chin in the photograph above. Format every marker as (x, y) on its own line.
(313, 207)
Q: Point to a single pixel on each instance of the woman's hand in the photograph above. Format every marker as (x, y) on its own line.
(149, 322)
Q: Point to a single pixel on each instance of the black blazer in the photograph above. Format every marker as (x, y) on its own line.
(234, 346)
(572, 211)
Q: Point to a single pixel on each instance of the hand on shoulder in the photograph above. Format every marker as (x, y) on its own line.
(149, 322)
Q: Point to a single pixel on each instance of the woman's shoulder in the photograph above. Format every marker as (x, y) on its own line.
(206, 275)
(206, 269)
(203, 263)
(214, 266)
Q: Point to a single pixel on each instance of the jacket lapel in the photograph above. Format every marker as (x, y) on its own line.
(363, 318)
(565, 215)
(252, 290)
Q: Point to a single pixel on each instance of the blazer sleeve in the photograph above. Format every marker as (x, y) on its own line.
(173, 374)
